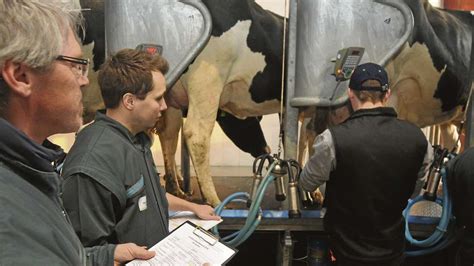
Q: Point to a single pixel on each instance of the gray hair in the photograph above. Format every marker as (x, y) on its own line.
(33, 32)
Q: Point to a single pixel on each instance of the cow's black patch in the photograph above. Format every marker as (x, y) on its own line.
(244, 133)
(95, 32)
(265, 37)
(226, 13)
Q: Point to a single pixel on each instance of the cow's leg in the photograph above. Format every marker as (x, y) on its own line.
(449, 136)
(168, 131)
(197, 132)
(303, 143)
(197, 129)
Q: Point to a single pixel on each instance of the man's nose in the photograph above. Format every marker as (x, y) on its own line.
(83, 81)
(164, 106)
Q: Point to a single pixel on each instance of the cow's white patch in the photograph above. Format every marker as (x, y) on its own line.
(91, 96)
(413, 82)
(222, 74)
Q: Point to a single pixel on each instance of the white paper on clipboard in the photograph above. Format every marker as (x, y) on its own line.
(188, 245)
(179, 217)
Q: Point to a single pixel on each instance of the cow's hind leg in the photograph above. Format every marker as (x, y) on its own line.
(449, 136)
(168, 131)
(197, 132)
(197, 129)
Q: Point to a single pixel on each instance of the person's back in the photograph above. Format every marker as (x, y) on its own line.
(372, 163)
(378, 158)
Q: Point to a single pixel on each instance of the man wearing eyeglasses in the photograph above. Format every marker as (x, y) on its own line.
(41, 75)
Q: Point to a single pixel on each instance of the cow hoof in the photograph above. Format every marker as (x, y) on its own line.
(213, 203)
(181, 186)
(181, 194)
(318, 198)
(176, 192)
(190, 193)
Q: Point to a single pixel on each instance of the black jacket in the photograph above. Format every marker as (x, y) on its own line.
(112, 191)
(34, 228)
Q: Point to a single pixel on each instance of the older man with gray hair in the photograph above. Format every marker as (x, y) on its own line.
(41, 75)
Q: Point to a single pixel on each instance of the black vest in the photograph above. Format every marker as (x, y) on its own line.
(378, 158)
(461, 189)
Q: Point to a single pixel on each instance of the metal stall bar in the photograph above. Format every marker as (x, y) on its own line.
(290, 125)
(185, 165)
(291, 113)
(182, 28)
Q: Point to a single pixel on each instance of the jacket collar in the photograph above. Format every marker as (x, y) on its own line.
(140, 138)
(379, 111)
(16, 146)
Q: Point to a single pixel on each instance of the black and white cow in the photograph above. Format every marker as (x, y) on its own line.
(431, 76)
(238, 72)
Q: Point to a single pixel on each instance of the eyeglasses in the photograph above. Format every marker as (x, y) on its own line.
(80, 66)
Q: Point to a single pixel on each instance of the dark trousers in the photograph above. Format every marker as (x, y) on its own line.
(465, 256)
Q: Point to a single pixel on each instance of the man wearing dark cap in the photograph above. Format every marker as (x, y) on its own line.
(372, 164)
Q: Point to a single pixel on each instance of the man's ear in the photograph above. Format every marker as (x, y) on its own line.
(387, 95)
(350, 93)
(128, 101)
(18, 78)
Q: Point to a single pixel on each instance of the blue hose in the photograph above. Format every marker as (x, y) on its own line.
(254, 215)
(435, 242)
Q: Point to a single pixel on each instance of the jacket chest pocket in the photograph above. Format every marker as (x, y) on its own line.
(136, 195)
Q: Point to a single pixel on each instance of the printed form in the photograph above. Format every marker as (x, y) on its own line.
(188, 245)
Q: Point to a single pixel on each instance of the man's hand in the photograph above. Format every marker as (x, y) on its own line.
(205, 212)
(130, 251)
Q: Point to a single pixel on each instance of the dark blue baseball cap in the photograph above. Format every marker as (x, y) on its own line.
(369, 71)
